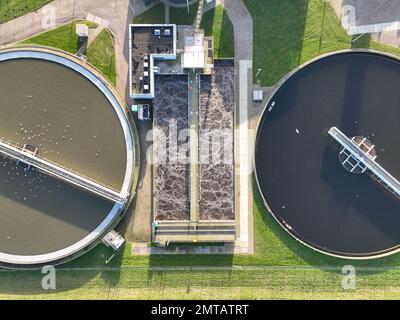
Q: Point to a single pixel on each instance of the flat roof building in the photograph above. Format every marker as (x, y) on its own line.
(148, 42)
(193, 196)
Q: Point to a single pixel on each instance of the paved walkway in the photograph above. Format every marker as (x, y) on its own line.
(243, 28)
(118, 13)
(194, 145)
(94, 34)
(374, 14)
(166, 13)
(243, 32)
(179, 5)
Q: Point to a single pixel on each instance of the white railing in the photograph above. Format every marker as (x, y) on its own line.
(47, 167)
(386, 178)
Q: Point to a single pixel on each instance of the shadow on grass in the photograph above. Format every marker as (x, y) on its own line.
(314, 258)
(181, 16)
(279, 29)
(89, 269)
(361, 41)
(154, 15)
(216, 23)
(188, 270)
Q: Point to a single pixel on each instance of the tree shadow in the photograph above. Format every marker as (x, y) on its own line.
(361, 41)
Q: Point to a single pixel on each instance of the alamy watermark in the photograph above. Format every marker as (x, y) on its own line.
(349, 277)
(49, 280)
(170, 144)
(49, 15)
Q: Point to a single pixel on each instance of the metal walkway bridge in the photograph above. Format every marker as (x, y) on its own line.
(47, 167)
(376, 170)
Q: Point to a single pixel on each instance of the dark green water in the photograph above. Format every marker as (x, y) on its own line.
(299, 172)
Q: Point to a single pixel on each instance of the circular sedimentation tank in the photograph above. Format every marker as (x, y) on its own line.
(73, 116)
(303, 185)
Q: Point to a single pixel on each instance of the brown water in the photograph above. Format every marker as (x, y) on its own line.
(172, 173)
(65, 116)
(39, 214)
(216, 119)
(72, 124)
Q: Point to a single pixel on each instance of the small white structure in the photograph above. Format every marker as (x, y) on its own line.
(193, 56)
(82, 30)
(114, 240)
(144, 112)
(349, 19)
(258, 95)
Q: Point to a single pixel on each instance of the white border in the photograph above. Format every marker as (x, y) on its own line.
(81, 244)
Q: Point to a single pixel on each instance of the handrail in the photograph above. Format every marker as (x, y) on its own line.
(364, 158)
(13, 151)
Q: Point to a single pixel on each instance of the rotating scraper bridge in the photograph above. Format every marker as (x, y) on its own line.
(14, 152)
(362, 157)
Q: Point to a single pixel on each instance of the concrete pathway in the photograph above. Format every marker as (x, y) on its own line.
(243, 32)
(391, 38)
(194, 107)
(117, 12)
(243, 28)
(374, 14)
(94, 34)
(166, 13)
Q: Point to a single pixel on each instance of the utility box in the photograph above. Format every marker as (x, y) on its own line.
(258, 95)
(114, 240)
(144, 112)
(82, 31)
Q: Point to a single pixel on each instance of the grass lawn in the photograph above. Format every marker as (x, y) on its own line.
(100, 53)
(216, 23)
(182, 16)
(154, 15)
(63, 37)
(11, 9)
(288, 33)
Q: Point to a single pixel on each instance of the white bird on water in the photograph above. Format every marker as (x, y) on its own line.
(297, 131)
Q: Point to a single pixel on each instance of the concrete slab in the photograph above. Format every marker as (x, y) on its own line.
(374, 11)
